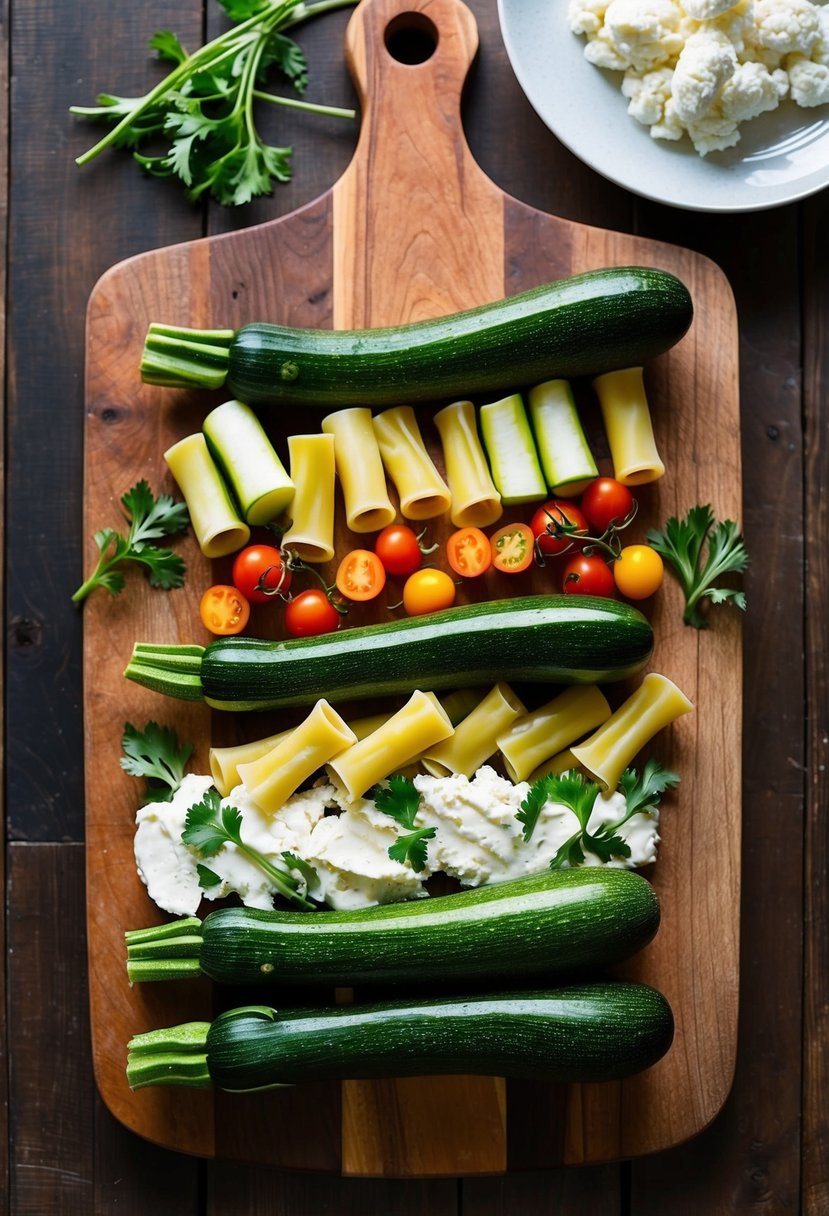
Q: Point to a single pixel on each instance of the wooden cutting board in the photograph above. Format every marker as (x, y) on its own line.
(412, 229)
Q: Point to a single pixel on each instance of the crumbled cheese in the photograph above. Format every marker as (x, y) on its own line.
(165, 865)
(701, 68)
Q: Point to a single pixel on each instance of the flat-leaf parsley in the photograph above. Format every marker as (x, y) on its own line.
(683, 545)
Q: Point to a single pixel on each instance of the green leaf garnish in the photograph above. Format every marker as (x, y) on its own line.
(400, 799)
(155, 754)
(699, 551)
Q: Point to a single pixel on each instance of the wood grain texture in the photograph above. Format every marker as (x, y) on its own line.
(321, 268)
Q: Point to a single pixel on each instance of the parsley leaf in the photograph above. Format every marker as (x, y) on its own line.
(155, 754)
(400, 799)
(209, 826)
(149, 519)
(642, 793)
(222, 155)
(700, 550)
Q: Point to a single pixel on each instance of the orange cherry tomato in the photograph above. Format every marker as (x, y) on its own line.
(513, 548)
(428, 591)
(360, 575)
(469, 552)
(638, 571)
(224, 610)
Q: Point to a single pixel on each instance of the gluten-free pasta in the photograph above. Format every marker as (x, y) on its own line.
(311, 534)
(539, 735)
(476, 502)
(214, 518)
(271, 779)
(360, 469)
(475, 738)
(627, 422)
(421, 490)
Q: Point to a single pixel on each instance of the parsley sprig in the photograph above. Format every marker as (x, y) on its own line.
(400, 799)
(204, 107)
(155, 754)
(700, 550)
(149, 519)
(209, 826)
(573, 790)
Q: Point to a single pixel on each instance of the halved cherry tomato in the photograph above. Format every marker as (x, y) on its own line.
(638, 571)
(224, 610)
(398, 548)
(513, 548)
(469, 552)
(606, 501)
(260, 573)
(309, 613)
(588, 575)
(555, 526)
(428, 591)
(360, 575)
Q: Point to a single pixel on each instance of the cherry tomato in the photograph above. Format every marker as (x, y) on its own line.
(550, 521)
(513, 548)
(469, 552)
(428, 591)
(398, 548)
(638, 571)
(309, 613)
(260, 573)
(224, 610)
(605, 502)
(360, 575)
(588, 575)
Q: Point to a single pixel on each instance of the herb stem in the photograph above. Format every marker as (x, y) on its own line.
(310, 107)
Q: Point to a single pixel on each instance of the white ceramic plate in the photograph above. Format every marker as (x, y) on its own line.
(782, 156)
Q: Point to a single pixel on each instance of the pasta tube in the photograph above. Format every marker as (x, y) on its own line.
(474, 740)
(475, 500)
(246, 458)
(537, 736)
(561, 762)
(360, 469)
(272, 778)
(566, 458)
(655, 704)
(422, 491)
(627, 421)
(216, 525)
(418, 725)
(311, 534)
(510, 448)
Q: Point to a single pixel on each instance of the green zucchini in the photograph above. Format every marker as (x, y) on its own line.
(602, 1031)
(585, 325)
(544, 924)
(539, 639)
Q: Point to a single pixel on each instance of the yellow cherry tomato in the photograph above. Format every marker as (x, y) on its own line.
(638, 571)
(224, 610)
(428, 591)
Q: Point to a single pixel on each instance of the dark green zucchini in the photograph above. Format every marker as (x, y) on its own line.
(590, 323)
(542, 639)
(545, 924)
(602, 1031)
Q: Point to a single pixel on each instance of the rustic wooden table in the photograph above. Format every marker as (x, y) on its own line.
(768, 1150)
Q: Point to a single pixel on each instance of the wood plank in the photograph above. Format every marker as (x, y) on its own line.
(235, 1191)
(596, 1190)
(4, 233)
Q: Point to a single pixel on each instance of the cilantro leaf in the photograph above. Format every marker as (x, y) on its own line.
(207, 878)
(155, 754)
(642, 793)
(569, 789)
(700, 550)
(149, 518)
(411, 847)
(400, 799)
(167, 46)
(209, 827)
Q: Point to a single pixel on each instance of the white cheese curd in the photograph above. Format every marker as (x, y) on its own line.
(702, 68)
(165, 865)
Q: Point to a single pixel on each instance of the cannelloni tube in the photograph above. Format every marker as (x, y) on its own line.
(561, 762)
(311, 534)
(566, 458)
(474, 740)
(475, 500)
(537, 736)
(627, 421)
(421, 723)
(655, 704)
(272, 778)
(422, 492)
(214, 518)
(360, 469)
(247, 460)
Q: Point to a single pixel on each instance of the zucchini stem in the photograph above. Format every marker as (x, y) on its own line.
(177, 357)
(165, 952)
(173, 1056)
(172, 670)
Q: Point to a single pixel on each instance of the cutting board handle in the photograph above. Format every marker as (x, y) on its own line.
(418, 225)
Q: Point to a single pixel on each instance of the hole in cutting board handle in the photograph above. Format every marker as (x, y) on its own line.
(411, 38)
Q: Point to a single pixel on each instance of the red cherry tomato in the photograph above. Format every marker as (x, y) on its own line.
(428, 591)
(260, 573)
(556, 524)
(360, 575)
(585, 575)
(513, 548)
(469, 552)
(398, 548)
(605, 502)
(309, 613)
(224, 610)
